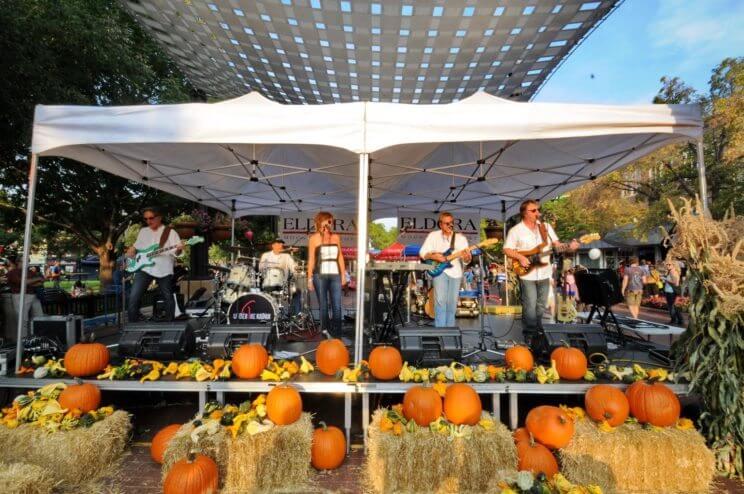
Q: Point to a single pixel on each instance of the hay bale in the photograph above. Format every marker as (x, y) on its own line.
(276, 459)
(634, 459)
(71, 457)
(428, 462)
(22, 478)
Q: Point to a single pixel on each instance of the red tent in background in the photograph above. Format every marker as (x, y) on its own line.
(392, 252)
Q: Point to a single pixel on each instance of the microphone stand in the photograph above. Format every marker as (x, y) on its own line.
(482, 334)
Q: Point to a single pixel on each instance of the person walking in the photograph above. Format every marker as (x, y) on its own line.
(671, 290)
(632, 288)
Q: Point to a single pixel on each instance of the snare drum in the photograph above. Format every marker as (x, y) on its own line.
(252, 308)
(242, 276)
(273, 279)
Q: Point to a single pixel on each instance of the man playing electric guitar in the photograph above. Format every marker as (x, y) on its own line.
(162, 265)
(536, 239)
(447, 285)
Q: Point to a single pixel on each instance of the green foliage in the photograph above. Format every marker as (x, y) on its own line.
(380, 237)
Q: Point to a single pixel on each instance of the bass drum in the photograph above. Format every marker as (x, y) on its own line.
(252, 308)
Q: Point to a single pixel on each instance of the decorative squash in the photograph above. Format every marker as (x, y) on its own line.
(331, 356)
(284, 405)
(550, 426)
(86, 359)
(519, 358)
(653, 404)
(606, 403)
(385, 362)
(520, 435)
(462, 405)
(422, 404)
(83, 396)
(569, 362)
(195, 474)
(329, 447)
(250, 360)
(161, 440)
(536, 458)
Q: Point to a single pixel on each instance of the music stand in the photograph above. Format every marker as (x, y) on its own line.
(482, 334)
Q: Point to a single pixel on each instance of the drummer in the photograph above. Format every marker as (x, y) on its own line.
(278, 258)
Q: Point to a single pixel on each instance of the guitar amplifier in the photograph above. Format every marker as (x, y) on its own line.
(430, 346)
(225, 339)
(589, 338)
(65, 330)
(161, 341)
(599, 287)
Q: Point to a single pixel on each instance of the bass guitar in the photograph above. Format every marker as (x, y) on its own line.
(536, 254)
(143, 257)
(439, 267)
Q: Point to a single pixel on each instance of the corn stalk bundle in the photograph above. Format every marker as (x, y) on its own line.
(711, 351)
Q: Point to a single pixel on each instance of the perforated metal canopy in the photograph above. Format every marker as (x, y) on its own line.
(326, 51)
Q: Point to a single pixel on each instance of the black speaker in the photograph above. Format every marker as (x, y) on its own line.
(430, 346)
(589, 338)
(599, 287)
(225, 339)
(65, 330)
(162, 341)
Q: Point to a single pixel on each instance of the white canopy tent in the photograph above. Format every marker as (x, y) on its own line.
(383, 158)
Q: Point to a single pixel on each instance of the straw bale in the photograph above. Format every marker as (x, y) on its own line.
(428, 462)
(636, 460)
(72, 457)
(22, 478)
(274, 460)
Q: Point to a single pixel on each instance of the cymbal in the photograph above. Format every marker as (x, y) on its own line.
(250, 259)
(219, 268)
(291, 249)
(236, 248)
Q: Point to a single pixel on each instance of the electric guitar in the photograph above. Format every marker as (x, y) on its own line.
(535, 254)
(143, 258)
(439, 267)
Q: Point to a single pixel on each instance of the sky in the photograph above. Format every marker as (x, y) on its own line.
(643, 40)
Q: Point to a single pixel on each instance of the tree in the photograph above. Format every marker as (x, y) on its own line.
(380, 237)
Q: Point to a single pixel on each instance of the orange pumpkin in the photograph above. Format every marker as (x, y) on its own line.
(329, 447)
(462, 405)
(519, 358)
(569, 362)
(161, 440)
(520, 435)
(653, 404)
(86, 359)
(331, 356)
(284, 405)
(550, 426)
(605, 402)
(83, 396)
(385, 362)
(250, 360)
(422, 404)
(536, 458)
(195, 474)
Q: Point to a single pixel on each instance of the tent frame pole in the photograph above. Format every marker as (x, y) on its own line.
(232, 232)
(701, 175)
(362, 209)
(32, 179)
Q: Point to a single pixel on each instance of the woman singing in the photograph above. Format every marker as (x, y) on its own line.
(325, 271)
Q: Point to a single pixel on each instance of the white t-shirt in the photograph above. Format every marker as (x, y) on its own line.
(282, 260)
(437, 242)
(163, 263)
(521, 237)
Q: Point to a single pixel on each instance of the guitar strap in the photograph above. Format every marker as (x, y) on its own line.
(452, 247)
(164, 236)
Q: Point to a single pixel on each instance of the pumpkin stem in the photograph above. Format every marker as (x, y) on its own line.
(566, 344)
(191, 456)
(323, 425)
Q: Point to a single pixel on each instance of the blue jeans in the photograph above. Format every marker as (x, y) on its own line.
(141, 281)
(534, 300)
(328, 288)
(445, 300)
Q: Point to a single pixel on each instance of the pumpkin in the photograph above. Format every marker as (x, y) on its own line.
(195, 474)
(519, 358)
(385, 362)
(161, 440)
(83, 396)
(520, 435)
(284, 405)
(536, 458)
(329, 447)
(569, 362)
(462, 405)
(250, 360)
(550, 426)
(422, 405)
(86, 359)
(331, 356)
(653, 404)
(606, 403)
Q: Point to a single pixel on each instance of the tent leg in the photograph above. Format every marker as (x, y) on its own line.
(232, 232)
(701, 175)
(361, 254)
(32, 178)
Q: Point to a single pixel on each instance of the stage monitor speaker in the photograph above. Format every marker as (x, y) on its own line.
(589, 338)
(66, 330)
(162, 341)
(226, 338)
(599, 287)
(430, 346)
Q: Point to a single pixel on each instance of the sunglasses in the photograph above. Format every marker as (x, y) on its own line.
(533, 210)
(448, 223)
(148, 218)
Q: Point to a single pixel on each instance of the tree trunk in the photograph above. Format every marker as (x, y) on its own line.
(106, 265)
